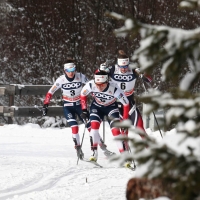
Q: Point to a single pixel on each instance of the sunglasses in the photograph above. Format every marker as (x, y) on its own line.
(123, 67)
(70, 69)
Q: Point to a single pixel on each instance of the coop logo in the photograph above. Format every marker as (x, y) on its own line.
(71, 85)
(104, 96)
(123, 77)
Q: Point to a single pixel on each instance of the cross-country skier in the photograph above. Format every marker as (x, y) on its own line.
(71, 84)
(105, 94)
(125, 78)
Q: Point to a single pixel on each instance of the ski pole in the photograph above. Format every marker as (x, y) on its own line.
(152, 111)
(103, 130)
(129, 150)
(38, 108)
(82, 140)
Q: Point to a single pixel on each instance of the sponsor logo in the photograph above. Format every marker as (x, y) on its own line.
(123, 97)
(103, 96)
(68, 104)
(85, 92)
(69, 115)
(71, 85)
(120, 96)
(94, 110)
(123, 77)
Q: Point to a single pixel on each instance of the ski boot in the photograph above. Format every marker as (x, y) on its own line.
(127, 164)
(79, 152)
(94, 155)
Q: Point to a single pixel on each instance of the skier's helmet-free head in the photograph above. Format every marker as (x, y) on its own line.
(69, 67)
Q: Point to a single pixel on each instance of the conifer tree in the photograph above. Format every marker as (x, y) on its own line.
(173, 50)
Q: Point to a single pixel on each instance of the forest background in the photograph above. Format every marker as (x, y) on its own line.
(37, 36)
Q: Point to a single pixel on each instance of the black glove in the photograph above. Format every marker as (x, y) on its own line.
(45, 109)
(85, 115)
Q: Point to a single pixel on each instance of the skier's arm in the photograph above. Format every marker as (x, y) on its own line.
(119, 94)
(49, 95)
(147, 78)
(84, 93)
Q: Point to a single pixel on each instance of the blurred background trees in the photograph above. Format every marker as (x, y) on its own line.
(38, 36)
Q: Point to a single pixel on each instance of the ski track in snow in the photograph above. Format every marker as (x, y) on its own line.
(41, 165)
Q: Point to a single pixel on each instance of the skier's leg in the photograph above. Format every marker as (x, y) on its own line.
(113, 116)
(69, 113)
(137, 121)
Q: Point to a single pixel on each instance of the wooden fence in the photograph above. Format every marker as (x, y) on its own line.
(27, 111)
(31, 111)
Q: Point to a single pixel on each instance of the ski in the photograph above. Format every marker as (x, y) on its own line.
(92, 162)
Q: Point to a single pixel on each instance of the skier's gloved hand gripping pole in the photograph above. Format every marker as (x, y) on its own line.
(45, 109)
(46, 103)
(85, 115)
(141, 75)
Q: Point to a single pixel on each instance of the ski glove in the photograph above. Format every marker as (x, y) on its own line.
(140, 74)
(85, 115)
(45, 109)
(104, 67)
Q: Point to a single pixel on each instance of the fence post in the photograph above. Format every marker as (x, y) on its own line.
(11, 103)
(149, 120)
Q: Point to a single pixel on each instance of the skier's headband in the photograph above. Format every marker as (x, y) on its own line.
(100, 79)
(69, 67)
(123, 61)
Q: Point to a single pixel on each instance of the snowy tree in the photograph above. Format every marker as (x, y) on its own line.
(173, 50)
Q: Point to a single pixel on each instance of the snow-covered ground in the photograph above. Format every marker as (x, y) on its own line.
(41, 164)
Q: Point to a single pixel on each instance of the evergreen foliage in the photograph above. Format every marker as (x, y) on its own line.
(172, 49)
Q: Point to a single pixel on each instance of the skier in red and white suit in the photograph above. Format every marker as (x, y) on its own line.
(105, 94)
(126, 78)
